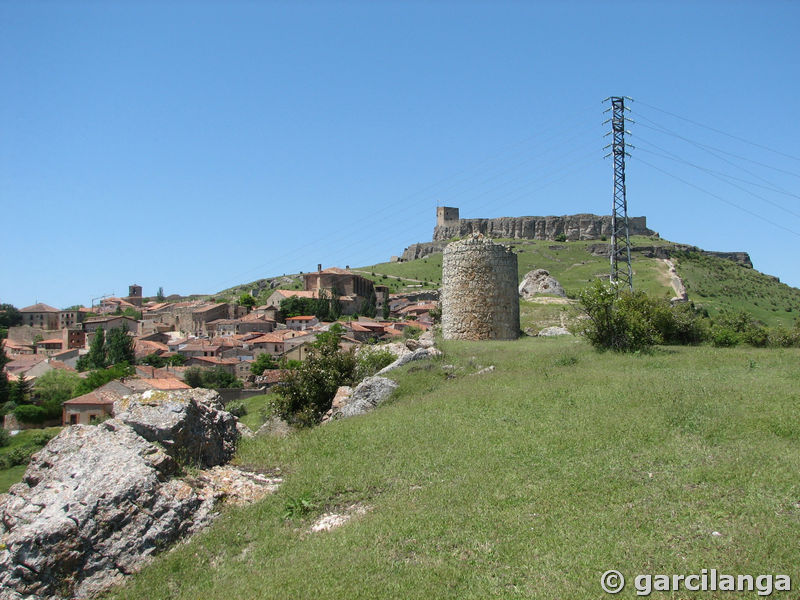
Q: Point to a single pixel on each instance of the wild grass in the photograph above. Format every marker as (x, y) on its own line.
(718, 284)
(527, 482)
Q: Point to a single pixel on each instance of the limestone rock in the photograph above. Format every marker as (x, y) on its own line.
(367, 395)
(244, 430)
(274, 426)
(93, 505)
(191, 425)
(420, 354)
(573, 227)
(539, 281)
(554, 331)
(342, 397)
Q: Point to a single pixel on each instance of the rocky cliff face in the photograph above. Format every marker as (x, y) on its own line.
(574, 227)
(743, 258)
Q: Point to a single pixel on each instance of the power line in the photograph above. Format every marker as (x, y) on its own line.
(720, 198)
(736, 137)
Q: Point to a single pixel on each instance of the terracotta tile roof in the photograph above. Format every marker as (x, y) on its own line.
(166, 383)
(61, 366)
(271, 338)
(51, 341)
(38, 308)
(207, 308)
(302, 318)
(297, 293)
(332, 271)
(358, 327)
(216, 360)
(97, 397)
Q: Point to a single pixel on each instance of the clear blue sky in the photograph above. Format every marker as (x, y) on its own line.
(197, 145)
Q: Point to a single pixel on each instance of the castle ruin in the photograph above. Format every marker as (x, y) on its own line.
(572, 227)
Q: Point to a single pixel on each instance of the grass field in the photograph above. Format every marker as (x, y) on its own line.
(719, 284)
(30, 440)
(528, 482)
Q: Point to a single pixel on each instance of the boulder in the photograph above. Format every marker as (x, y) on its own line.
(419, 354)
(274, 426)
(539, 281)
(191, 425)
(367, 395)
(93, 505)
(341, 398)
(554, 331)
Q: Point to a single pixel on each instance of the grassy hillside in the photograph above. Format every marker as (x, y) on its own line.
(528, 482)
(569, 262)
(719, 284)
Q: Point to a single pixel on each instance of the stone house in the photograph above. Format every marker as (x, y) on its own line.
(203, 315)
(70, 318)
(48, 347)
(84, 409)
(111, 322)
(40, 315)
(302, 323)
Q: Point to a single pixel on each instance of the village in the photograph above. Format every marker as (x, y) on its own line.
(170, 339)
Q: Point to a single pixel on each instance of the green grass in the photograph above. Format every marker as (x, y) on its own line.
(9, 477)
(527, 482)
(254, 405)
(718, 284)
(569, 262)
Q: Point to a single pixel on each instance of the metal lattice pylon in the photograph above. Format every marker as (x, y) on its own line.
(620, 251)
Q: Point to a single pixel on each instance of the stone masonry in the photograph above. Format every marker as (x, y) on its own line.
(479, 291)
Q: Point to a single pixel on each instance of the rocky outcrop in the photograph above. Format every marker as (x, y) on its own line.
(93, 505)
(539, 281)
(191, 425)
(415, 251)
(404, 359)
(573, 227)
(368, 394)
(669, 250)
(97, 501)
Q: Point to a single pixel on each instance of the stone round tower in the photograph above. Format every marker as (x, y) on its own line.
(479, 299)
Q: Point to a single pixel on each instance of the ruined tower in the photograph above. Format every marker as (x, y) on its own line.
(479, 297)
(446, 215)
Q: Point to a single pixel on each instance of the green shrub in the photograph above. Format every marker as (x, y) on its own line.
(20, 456)
(4, 437)
(372, 360)
(41, 438)
(30, 413)
(623, 322)
(724, 337)
(411, 333)
(307, 392)
(236, 408)
(561, 237)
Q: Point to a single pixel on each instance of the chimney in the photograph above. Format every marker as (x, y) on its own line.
(319, 267)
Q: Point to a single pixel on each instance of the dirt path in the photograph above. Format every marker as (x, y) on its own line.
(675, 281)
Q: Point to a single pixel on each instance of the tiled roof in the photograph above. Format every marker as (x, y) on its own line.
(302, 318)
(272, 338)
(38, 307)
(105, 398)
(51, 341)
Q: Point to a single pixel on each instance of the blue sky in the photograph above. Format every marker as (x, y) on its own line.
(197, 145)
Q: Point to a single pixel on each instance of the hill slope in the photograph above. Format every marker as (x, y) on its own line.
(525, 482)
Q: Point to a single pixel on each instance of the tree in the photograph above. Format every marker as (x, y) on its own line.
(215, 378)
(9, 316)
(119, 346)
(307, 391)
(96, 358)
(370, 310)
(4, 387)
(247, 301)
(386, 309)
(20, 392)
(160, 294)
(153, 360)
(99, 377)
(53, 388)
(262, 363)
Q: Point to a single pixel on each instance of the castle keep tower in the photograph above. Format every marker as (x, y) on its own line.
(446, 215)
(479, 298)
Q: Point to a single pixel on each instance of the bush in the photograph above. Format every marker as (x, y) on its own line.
(307, 392)
(236, 408)
(370, 361)
(30, 413)
(5, 439)
(622, 321)
(41, 438)
(20, 456)
(561, 237)
(411, 332)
